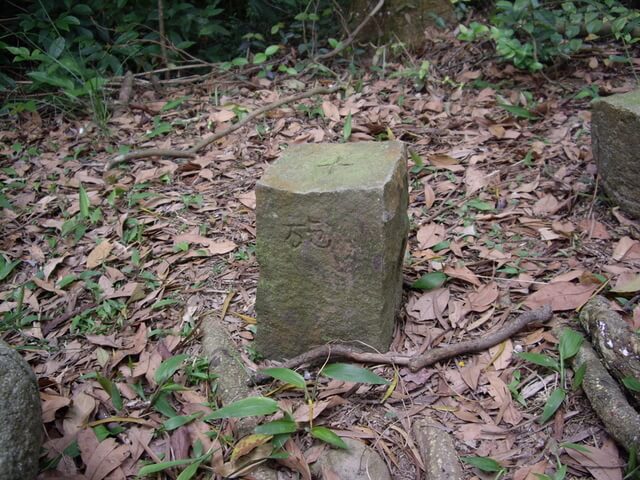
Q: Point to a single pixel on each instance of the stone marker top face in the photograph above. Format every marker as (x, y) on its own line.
(331, 167)
(629, 101)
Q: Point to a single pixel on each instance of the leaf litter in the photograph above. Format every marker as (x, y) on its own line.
(107, 275)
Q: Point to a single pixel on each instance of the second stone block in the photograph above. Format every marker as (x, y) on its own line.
(331, 233)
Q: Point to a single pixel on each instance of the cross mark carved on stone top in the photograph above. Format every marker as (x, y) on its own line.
(339, 161)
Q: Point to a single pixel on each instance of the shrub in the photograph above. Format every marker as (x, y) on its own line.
(532, 34)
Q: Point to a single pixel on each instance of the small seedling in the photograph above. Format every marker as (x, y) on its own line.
(570, 342)
(486, 464)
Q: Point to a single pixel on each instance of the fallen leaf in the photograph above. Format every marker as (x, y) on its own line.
(561, 296)
(99, 254)
(626, 249)
(248, 199)
(79, 412)
(222, 116)
(430, 234)
(547, 205)
(430, 305)
(603, 463)
(594, 229)
(214, 247)
(483, 298)
(429, 195)
(51, 404)
(475, 180)
(330, 111)
(100, 458)
(462, 273)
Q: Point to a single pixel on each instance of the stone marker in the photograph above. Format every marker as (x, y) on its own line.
(331, 233)
(615, 136)
(20, 417)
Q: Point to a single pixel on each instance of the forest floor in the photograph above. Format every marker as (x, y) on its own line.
(107, 275)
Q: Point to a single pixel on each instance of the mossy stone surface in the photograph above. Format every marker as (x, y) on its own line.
(20, 417)
(615, 134)
(331, 232)
(400, 20)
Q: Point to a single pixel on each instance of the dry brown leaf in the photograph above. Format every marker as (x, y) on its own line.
(213, 247)
(475, 180)
(462, 273)
(565, 228)
(222, 116)
(330, 111)
(51, 404)
(51, 266)
(247, 444)
(429, 195)
(547, 205)
(626, 249)
(497, 131)
(430, 234)
(248, 199)
(501, 355)
(295, 461)
(100, 458)
(603, 463)
(561, 296)
(594, 229)
(79, 413)
(529, 472)
(430, 305)
(99, 254)
(483, 298)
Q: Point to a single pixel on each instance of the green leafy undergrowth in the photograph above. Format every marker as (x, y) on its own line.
(269, 436)
(568, 346)
(532, 34)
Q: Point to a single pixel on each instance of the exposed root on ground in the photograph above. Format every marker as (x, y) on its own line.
(415, 363)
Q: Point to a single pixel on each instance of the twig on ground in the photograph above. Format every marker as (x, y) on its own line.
(415, 363)
(191, 152)
(477, 345)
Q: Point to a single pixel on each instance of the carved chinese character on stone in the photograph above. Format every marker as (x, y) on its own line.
(331, 233)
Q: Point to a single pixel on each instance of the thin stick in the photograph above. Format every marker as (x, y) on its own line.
(333, 352)
(163, 38)
(349, 40)
(191, 152)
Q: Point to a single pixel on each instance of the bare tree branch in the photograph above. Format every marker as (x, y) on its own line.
(191, 152)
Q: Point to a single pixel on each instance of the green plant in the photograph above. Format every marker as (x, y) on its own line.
(417, 74)
(283, 428)
(533, 33)
(72, 48)
(17, 318)
(105, 317)
(192, 200)
(570, 342)
(87, 216)
(430, 281)
(486, 464)
(514, 388)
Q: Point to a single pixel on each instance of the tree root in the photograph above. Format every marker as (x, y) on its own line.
(620, 420)
(614, 341)
(192, 152)
(415, 363)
